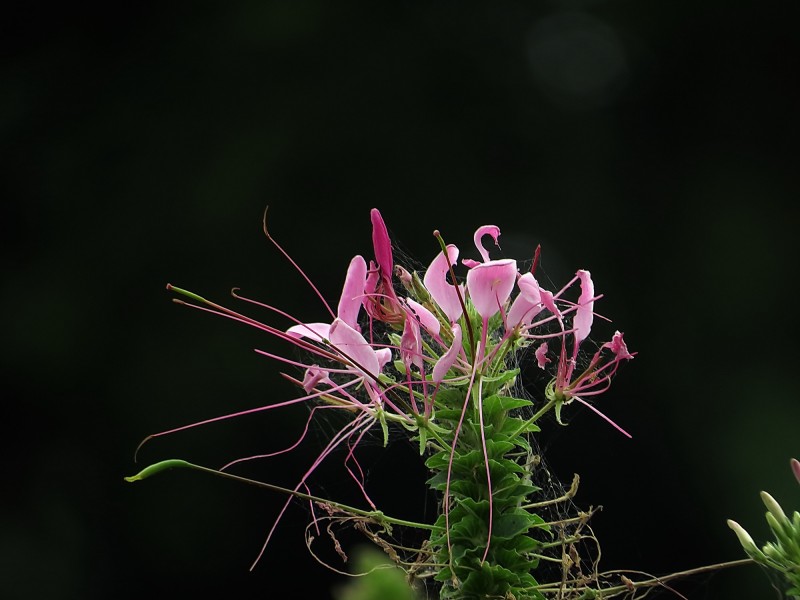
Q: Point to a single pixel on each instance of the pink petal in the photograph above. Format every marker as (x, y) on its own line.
(355, 348)
(426, 318)
(384, 356)
(353, 292)
(373, 276)
(313, 331)
(469, 263)
(527, 304)
(411, 344)
(382, 244)
(541, 355)
(492, 230)
(490, 284)
(549, 302)
(448, 359)
(584, 314)
(436, 281)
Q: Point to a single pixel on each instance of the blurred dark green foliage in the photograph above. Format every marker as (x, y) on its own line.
(382, 580)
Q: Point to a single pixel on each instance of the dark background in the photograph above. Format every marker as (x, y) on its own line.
(653, 143)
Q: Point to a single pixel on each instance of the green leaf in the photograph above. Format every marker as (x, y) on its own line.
(508, 526)
(448, 414)
(493, 405)
(450, 397)
(494, 384)
(439, 460)
(384, 427)
(422, 436)
(513, 424)
(488, 582)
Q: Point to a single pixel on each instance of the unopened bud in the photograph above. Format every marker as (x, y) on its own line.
(778, 529)
(421, 293)
(404, 276)
(774, 552)
(795, 468)
(773, 507)
(744, 538)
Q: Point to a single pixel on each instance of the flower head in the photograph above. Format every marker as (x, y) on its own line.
(428, 361)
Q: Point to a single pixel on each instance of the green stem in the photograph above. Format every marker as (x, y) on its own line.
(534, 418)
(434, 434)
(371, 514)
(655, 580)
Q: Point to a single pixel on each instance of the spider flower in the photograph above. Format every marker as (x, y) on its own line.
(443, 341)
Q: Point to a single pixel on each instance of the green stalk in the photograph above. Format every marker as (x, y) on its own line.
(374, 515)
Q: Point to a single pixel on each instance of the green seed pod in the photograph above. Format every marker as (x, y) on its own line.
(157, 468)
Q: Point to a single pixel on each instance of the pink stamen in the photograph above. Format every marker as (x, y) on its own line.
(340, 437)
(613, 424)
(283, 451)
(296, 266)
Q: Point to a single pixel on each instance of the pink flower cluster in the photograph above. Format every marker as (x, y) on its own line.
(430, 318)
(388, 349)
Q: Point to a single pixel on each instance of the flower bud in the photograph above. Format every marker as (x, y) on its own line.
(744, 538)
(778, 529)
(773, 507)
(795, 468)
(774, 552)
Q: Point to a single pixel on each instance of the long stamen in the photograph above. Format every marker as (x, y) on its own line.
(284, 450)
(234, 415)
(296, 266)
(338, 439)
(222, 311)
(612, 423)
(485, 452)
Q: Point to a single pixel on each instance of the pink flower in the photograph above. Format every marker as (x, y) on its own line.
(593, 380)
(541, 355)
(349, 306)
(356, 351)
(596, 378)
(343, 334)
(489, 283)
